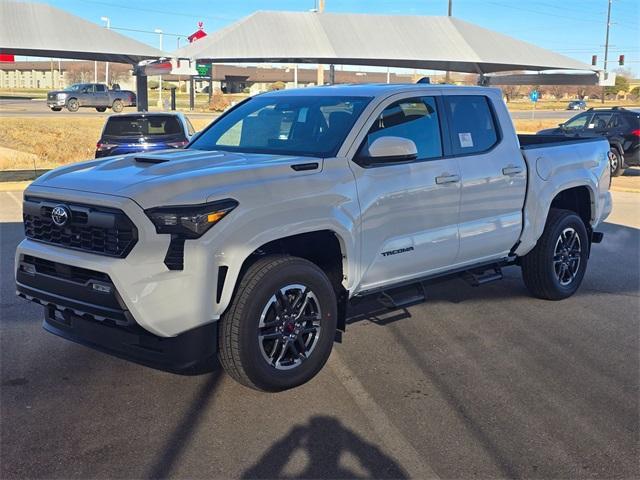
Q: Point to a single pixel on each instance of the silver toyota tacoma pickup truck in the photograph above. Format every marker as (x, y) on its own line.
(251, 241)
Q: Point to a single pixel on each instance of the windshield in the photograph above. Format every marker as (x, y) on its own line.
(134, 126)
(286, 125)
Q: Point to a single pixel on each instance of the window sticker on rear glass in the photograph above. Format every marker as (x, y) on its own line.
(466, 140)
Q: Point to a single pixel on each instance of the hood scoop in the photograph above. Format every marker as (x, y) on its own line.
(150, 159)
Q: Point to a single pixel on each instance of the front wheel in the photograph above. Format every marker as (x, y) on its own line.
(117, 106)
(279, 329)
(73, 105)
(616, 162)
(554, 269)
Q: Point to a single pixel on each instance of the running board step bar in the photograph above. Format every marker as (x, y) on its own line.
(477, 278)
(401, 297)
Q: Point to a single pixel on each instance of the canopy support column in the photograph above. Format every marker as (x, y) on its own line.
(141, 92)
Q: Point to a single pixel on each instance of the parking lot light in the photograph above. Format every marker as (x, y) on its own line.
(107, 20)
(159, 32)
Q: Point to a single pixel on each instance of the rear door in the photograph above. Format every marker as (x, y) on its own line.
(409, 210)
(101, 96)
(493, 175)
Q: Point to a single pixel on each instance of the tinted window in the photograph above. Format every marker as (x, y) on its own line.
(101, 88)
(577, 122)
(288, 125)
(413, 118)
(133, 126)
(599, 121)
(473, 128)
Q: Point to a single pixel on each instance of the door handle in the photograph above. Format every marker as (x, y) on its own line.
(443, 179)
(511, 170)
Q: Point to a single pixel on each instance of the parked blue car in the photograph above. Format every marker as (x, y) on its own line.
(143, 132)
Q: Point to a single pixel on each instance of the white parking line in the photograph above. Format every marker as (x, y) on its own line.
(394, 441)
(15, 199)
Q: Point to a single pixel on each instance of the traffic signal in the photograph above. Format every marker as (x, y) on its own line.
(594, 60)
(621, 60)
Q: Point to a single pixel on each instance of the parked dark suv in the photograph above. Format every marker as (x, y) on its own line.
(577, 105)
(143, 132)
(620, 125)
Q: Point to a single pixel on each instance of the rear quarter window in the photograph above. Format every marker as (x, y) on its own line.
(472, 124)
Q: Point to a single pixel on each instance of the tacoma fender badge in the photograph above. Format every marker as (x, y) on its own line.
(397, 251)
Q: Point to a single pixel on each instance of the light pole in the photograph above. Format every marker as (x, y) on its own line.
(447, 77)
(159, 32)
(606, 49)
(107, 20)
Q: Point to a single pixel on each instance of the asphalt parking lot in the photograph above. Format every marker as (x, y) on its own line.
(475, 383)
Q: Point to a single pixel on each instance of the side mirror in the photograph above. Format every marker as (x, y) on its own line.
(561, 125)
(194, 136)
(392, 149)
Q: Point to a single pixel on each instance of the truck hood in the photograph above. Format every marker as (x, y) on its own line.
(173, 177)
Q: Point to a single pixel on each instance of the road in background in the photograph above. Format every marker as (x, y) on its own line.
(476, 382)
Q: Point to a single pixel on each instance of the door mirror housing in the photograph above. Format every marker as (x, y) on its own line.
(391, 149)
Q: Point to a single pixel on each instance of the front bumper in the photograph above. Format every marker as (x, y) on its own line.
(56, 103)
(165, 303)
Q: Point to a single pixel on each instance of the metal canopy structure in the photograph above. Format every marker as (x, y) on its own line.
(39, 30)
(438, 43)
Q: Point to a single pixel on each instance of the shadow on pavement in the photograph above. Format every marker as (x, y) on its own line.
(177, 441)
(324, 441)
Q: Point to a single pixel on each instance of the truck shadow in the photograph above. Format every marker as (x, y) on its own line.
(324, 441)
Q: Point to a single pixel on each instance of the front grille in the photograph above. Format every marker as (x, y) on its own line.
(105, 231)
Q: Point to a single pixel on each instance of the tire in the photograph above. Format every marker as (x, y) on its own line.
(616, 162)
(101, 109)
(56, 109)
(117, 106)
(261, 362)
(73, 105)
(549, 271)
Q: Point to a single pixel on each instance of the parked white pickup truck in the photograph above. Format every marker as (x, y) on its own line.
(250, 242)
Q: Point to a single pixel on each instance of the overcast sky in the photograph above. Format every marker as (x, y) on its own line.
(572, 27)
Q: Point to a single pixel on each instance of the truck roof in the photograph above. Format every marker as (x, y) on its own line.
(373, 89)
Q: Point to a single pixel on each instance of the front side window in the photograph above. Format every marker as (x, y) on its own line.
(473, 128)
(577, 122)
(286, 125)
(415, 119)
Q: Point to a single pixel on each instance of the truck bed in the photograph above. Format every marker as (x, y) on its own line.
(529, 141)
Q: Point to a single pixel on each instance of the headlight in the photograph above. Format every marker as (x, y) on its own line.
(62, 95)
(190, 221)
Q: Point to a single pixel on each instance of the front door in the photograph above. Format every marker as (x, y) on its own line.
(409, 210)
(494, 179)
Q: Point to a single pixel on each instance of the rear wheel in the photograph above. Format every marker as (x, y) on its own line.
(554, 269)
(615, 162)
(101, 109)
(279, 329)
(56, 109)
(117, 106)
(73, 105)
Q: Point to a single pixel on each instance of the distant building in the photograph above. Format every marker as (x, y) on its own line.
(227, 78)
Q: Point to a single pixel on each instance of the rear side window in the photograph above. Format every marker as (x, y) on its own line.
(473, 128)
(101, 88)
(157, 125)
(413, 118)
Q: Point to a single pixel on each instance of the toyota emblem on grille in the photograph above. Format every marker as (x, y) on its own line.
(60, 215)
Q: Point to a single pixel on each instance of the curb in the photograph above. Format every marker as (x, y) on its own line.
(14, 186)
